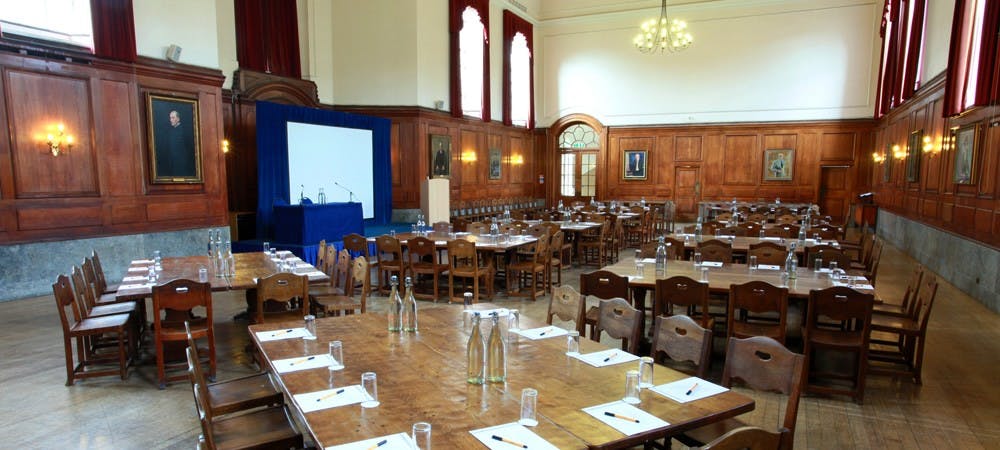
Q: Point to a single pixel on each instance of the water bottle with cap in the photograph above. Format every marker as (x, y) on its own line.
(496, 358)
(409, 308)
(230, 260)
(475, 352)
(791, 264)
(395, 315)
(697, 228)
(661, 258)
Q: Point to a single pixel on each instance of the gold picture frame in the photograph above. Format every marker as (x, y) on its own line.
(440, 156)
(174, 139)
(778, 164)
(964, 140)
(634, 165)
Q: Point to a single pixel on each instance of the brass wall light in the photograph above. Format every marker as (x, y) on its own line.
(60, 142)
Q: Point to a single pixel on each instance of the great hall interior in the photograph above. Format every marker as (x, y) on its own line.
(880, 118)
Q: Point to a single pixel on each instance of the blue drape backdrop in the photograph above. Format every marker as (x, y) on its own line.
(272, 157)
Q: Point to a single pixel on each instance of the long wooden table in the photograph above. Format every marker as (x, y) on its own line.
(421, 377)
(249, 267)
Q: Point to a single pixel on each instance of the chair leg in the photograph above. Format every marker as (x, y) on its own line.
(68, 344)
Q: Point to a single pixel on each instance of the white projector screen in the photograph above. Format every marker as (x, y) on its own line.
(335, 159)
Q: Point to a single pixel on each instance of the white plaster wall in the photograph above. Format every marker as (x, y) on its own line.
(375, 52)
(226, 31)
(316, 45)
(190, 24)
(432, 53)
(752, 60)
(937, 37)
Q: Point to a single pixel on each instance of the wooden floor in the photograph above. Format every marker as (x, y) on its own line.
(958, 405)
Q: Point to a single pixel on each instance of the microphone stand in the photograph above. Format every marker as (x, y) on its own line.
(350, 193)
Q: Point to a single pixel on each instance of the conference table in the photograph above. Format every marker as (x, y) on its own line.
(422, 378)
(741, 244)
(249, 267)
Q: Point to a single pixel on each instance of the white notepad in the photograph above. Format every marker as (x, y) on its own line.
(330, 398)
(139, 269)
(512, 432)
(768, 267)
(398, 441)
(648, 260)
(142, 261)
(625, 411)
(277, 335)
(542, 332)
(710, 264)
(856, 286)
(677, 391)
(135, 286)
(135, 278)
(304, 363)
(608, 357)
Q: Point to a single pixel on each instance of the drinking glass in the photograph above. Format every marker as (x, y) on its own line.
(337, 353)
(529, 401)
(274, 252)
(573, 343)
(202, 274)
(704, 274)
(645, 372)
(267, 247)
(422, 435)
(833, 268)
(639, 269)
(310, 321)
(817, 264)
(697, 258)
(753, 262)
(817, 238)
(513, 320)
(369, 382)
(632, 387)
(392, 232)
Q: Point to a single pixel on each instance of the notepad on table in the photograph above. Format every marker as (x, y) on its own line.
(608, 357)
(142, 261)
(510, 433)
(139, 269)
(768, 267)
(277, 335)
(542, 332)
(398, 441)
(126, 287)
(711, 264)
(304, 363)
(648, 260)
(135, 278)
(698, 388)
(330, 398)
(625, 418)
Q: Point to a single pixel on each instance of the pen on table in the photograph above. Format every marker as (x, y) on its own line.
(546, 331)
(338, 391)
(279, 333)
(503, 439)
(302, 360)
(691, 390)
(619, 416)
(378, 444)
(612, 355)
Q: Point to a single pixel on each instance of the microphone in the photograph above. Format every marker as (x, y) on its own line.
(350, 193)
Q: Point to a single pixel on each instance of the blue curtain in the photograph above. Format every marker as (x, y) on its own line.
(272, 157)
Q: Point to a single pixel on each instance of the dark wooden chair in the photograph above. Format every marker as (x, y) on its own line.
(464, 262)
(236, 394)
(176, 304)
(358, 246)
(604, 285)
(828, 254)
(98, 291)
(751, 229)
(593, 246)
(777, 231)
(753, 308)
(762, 364)
(77, 326)
(423, 260)
(621, 321)
(355, 296)
(530, 271)
(687, 294)
(750, 438)
(262, 428)
(851, 313)
(716, 250)
(557, 258)
(682, 340)
(282, 297)
(768, 253)
(338, 270)
(785, 219)
(102, 282)
(903, 355)
(390, 260)
(568, 305)
(90, 308)
(441, 227)
(905, 307)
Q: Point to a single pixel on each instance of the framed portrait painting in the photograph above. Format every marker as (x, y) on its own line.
(440, 156)
(964, 139)
(173, 136)
(913, 150)
(634, 165)
(496, 163)
(887, 164)
(778, 164)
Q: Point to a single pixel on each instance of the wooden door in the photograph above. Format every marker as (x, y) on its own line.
(687, 191)
(834, 192)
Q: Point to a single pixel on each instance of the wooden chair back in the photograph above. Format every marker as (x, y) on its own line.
(785, 219)
(69, 308)
(681, 339)
(756, 218)
(360, 275)
(683, 292)
(389, 251)
(421, 250)
(321, 254)
(604, 285)
(462, 256)
(731, 231)
(175, 304)
(621, 321)
(778, 232)
(201, 403)
(751, 438)
(828, 254)
(826, 232)
(842, 305)
(537, 230)
(872, 272)
(910, 295)
(716, 250)
(341, 276)
(92, 284)
(478, 228)
(764, 364)
(356, 244)
(84, 293)
(750, 229)
(758, 297)
(724, 217)
(441, 227)
(282, 294)
(568, 305)
(102, 282)
(553, 227)
(768, 253)
(675, 249)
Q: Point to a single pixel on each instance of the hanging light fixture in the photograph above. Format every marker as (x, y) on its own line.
(663, 34)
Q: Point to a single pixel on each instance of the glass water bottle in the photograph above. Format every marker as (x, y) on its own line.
(475, 353)
(409, 308)
(395, 315)
(496, 359)
(661, 258)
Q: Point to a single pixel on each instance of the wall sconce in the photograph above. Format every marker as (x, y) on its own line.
(225, 146)
(878, 157)
(468, 156)
(516, 160)
(898, 152)
(928, 145)
(59, 142)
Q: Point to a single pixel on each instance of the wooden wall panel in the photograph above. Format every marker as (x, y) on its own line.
(934, 199)
(687, 148)
(741, 160)
(58, 217)
(38, 103)
(838, 146)
(118, 149)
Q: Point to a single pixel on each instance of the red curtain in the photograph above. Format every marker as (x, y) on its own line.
(910, 76)
(960, 55)
(513, 24)
(902, 49)
(455, 10)
(114, 29)
(267, 36)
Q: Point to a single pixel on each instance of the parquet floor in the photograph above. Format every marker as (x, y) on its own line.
(958, 405)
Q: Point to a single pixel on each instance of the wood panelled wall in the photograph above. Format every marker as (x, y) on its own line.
(970, 210)
(695, 163)
(471, 140)
(101, 186)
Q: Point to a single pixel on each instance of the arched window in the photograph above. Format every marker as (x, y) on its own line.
(518, 88)
(470, 63)
(578, 147)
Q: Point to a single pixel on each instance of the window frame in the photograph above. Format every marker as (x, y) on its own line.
(902, 32)
(456, 8)
(513, 24)
(957, 97)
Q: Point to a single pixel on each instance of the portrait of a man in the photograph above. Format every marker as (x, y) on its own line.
(778, 164)
(440, 156)
(175, 155)
(635, 164)
(495, 163)
(965, 153)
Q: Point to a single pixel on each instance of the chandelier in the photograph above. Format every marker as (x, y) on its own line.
(663, 34)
